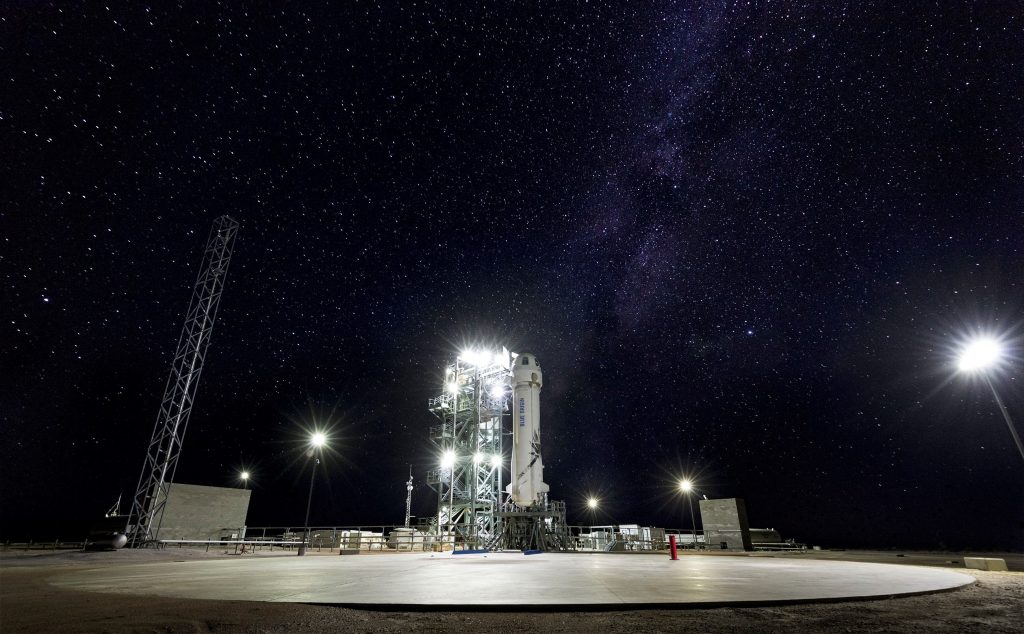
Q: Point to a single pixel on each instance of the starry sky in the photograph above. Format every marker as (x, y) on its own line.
(743, 240)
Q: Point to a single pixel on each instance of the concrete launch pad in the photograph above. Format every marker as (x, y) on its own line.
(512, 581)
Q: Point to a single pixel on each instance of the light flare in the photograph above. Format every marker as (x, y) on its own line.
(980, 355)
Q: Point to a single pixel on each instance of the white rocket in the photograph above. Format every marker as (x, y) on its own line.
(527, 486)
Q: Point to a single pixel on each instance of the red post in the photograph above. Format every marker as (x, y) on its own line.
(672, 547)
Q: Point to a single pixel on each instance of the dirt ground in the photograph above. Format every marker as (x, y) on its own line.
(28, 603)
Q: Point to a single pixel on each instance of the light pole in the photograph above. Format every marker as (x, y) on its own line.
(978, 357)
(317, 441)
(686, 487)
(592, 504)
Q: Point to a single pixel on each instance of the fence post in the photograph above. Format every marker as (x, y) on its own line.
(672, 547)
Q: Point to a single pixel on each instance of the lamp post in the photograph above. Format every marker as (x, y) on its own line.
(979, 357)
(317, 441)
(686, 487)
(592, 504)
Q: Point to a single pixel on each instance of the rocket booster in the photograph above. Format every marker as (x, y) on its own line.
(527, 486)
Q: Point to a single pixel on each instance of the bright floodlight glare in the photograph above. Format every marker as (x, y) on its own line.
(448, 459)
(453, 387)
(244, 475)
(478, 458)
(496, 460)
(497, 391)
(319, 439)
(685, 486)
(980, 355)
(592, 503)
(477, 357)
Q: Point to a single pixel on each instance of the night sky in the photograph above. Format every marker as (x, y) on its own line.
(743, 240)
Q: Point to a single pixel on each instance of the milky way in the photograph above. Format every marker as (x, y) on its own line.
(743, 240)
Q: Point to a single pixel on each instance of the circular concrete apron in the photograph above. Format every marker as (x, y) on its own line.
(515, 581)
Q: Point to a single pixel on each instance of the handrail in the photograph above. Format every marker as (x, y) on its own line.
(257, 542)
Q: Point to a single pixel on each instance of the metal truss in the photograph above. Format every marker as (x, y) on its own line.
(469, 448)
(541, 527)
(179, 394)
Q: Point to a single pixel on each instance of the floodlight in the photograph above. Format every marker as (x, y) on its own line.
(978, 357)
(478, 357)
(448, 459)
(453, 387)
(244, 475)
(319, 439)
(496, 460)
(478, 458)
(497, 391)
(980, 354)
(685, 486)
(592, 503)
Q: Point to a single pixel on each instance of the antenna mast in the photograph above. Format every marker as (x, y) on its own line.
(179, 395)
(408, 498)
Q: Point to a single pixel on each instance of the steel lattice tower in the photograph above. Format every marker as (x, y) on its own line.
(469, 444)
(179, 395)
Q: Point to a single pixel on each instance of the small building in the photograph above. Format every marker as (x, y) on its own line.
(207, 513)
(725, 524)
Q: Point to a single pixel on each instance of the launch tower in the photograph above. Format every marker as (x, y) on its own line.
(469, 446)
(474, 510)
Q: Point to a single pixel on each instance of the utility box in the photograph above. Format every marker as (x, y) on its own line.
(725, 524)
